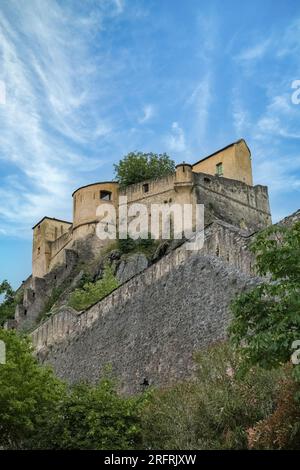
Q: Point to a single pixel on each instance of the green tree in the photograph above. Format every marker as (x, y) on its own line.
(138, 166)
(8, 304)
(38, 411)
(29, 394)
(266, 319)
(97, 417)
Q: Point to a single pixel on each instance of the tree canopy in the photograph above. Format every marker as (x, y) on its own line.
(8, 304)
(266, 320)
(138, 166)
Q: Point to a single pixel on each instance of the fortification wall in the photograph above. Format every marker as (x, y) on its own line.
(233, 201)
(150, 326)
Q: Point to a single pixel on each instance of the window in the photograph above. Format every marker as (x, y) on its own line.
(39, 250)
(219, 169)
(105, 195)
(146, 187)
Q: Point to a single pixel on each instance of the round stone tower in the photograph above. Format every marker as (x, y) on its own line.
(85, 202)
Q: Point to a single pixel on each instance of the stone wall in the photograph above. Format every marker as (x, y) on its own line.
(148, 328)
(234, 202)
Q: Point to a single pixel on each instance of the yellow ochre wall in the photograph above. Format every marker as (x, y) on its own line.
(236, 161)
(44, 233)
(85, 203)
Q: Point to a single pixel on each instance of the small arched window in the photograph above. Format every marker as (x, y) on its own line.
(105, 195)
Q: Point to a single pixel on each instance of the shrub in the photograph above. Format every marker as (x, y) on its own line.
(214, 411)
(281, 429)
(92, 292)
(29, 393)
(96, 417)
(146, 246)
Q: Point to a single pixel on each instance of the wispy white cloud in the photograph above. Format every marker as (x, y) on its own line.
(51, 89)
(148, 113)
(255, 52)
(175, 141)
(200, 100)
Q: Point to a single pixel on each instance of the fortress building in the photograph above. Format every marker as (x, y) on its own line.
(169, 303)
(221, 181)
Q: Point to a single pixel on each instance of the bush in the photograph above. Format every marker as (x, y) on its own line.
(29, 393)
(146, 246)
(96, 417)
(92, 292)
(38, 411)
(281, 429)
(213, 412)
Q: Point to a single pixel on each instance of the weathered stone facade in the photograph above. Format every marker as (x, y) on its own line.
(149, 328)
(228, 195)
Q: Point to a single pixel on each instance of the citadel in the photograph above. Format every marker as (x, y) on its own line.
(166, 306)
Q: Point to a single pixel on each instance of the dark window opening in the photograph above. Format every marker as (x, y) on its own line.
(105, 195)
(206, 180)
(39, 250)
(25, 312)
(146, 187)
(219, 169)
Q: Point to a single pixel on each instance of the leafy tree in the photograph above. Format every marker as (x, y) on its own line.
(38, 411)
(8, 304)
(29, 393)
(138, 166)
(96, 417)
(266, 320)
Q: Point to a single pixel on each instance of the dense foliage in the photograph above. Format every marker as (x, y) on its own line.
(29, 393)
(221, 409)
(214, 411)
(266, 320)
(138, 166)
(96, 417)
(140, 245)
(40, 411)
(9, 302)
(92, 292)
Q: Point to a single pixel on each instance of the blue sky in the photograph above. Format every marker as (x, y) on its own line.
(87, 82)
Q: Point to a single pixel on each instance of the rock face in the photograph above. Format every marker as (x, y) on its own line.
(131, 266)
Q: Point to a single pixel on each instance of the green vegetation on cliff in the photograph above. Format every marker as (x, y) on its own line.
(92, 292)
